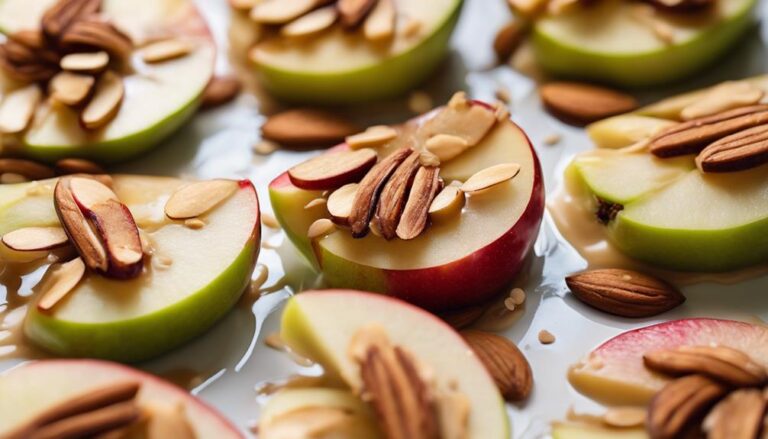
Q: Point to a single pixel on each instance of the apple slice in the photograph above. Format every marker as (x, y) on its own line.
(625, 130)
(619, 42)
(159, 97)
(579, 431)
(192, 277)
(313, 327)
(34, 387)
(614, 372)
(456, 262)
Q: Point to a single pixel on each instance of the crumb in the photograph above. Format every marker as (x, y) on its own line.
(265, 147)
(546, 337)
(194, 223)
(269, 221)
(517, 295)
(502, 94)
(510, 304)
(553, 139)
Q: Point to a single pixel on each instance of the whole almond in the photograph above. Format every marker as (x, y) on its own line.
(718, 362)
(624, 293)
(504, 361)
(579, 103)
(743, 150)
(681, 403)
(738, 416)
(221, 90)
(304, 127)
(29, 169)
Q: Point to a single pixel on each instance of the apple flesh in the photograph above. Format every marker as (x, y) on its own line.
(578, 431)
(339, 66)
(313, 326)
(160, 97)
(193, 278)
(30, 388)
(607, 42)
(614, 373)
(457, 261)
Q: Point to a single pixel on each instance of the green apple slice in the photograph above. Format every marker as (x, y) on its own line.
(187, 284)
(579, 431)
(625, 130)
(338, 66)
(313, 326)
(159, 97)
(608, 42)
(34, 386)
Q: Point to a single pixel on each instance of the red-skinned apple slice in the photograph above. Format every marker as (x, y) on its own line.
(614, 373)
(38, 385)
(461, 261)
(333, 170)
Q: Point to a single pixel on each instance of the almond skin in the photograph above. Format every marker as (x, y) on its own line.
(624, 293)
(317, 128)
(722, 363)
(504, 361)
(581, 104)
(744, 150)
(680, 404)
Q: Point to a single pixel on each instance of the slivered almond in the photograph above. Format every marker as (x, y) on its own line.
(311, 23)
(373, 137)
(492, 176)
(352, 12)
(380, 24)
(367, 195)
(17, 109)
(320, 227)
(723, 97)
(333, 170)
(680, 403)
(78, 166)
(743, 150)
(165, 50)
(739, 416)
(105, 103)
(394, 195)
(282, 11)
(59, 280)
(91, 62)
(505, 363)
(446, 146)
(584, 103)
(169, 422)
(462, 118)
(27, 168)
(71, 88)
(340, 203)
(198, 198)
(318, 128)
(415, 214)
(35, 238)
(718, 362)
(447, 203)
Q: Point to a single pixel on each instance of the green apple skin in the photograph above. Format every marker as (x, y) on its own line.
(389, 78)
(642, 69)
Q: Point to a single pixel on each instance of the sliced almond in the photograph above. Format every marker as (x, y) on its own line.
(340, 203)
(91, 62)
(446, 146)
(681, 403)
(197, 199)
(71, 88)
(373, 137)
(78, 166)
(243, 5)
(221, 90)
(59, 280)
(17, 109)
(80, 232)
(527, 8)
(105, 103)
(317, 202)
(624, 417)
(333, 170)
(722, 363)
(506, 364)
(282, 11)
(311, 23)
(415, 214)
(447, 203)
(380, 24)
(394, 195)
(723, 97)
(461, 118)
(27, 168)
(318, 128)
(367, 196)
(352, 12)
(320, 227)
(165, 50)
(169, 422)
(581, 103)
(492, 176)
(35, 238)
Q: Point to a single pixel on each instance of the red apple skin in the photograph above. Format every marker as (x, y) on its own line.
(471, 280)
(147, 379)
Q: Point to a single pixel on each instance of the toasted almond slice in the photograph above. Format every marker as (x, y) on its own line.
(373, 137)
(105, 103)
(723, 97)
(317, 202)
(353, 12)
(70, 88)
(169, 422)
(92, 62)
(329, 171)
(624, 417)
(165, 50)
(415, 214)
(394, 195)
(196, 199)
(27, 168)
(311, 23)
(89, 192)
(78, 166)
(35, 238)
(12, 178)
(17, 109)
(321, 227)
(243, 5)
(447, 203)
(80, 232)
(446, 146)
(282, 11)
(491, 176)
(462, 118)
(380, 24)
(60, 279)
(340, 203)
(426, 158)
(318, 128)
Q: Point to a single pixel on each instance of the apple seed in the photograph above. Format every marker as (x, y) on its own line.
(492, 176)
(196, 199)
(35, 238)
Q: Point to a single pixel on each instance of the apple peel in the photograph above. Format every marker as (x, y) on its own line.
(196, 199)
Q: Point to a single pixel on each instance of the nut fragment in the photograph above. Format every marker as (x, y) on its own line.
(718, 362)
(311, 23)
(583, 103)
(318, 128)
(27, 168)
(426, 183)
(723, 97)
(738, 416)
(17, 109)
(317, 202)
(70, 88)
(372, 137)
(105, 103)
(624, 417)
(447, 203)
(446, 146)
(491, 176)
(681, 403)
(35, 238)
(352, 12)
(624, 293)
(198, 198)
(89, 62)
(744, 150)
(508, 39)
(506, 364)
(282, 11)
(165, 50)
(340, 203)
(546, 337)
(78, 166)
(320, 227)
(394, 195)
(462, 118)
(380, 24)
(59, 280)
(332, 170)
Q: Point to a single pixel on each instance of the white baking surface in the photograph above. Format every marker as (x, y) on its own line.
(218, 144)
